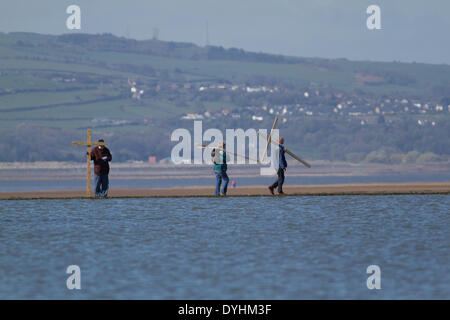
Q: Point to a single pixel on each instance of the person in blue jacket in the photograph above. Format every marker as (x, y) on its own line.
(220, 159)
(282, 165)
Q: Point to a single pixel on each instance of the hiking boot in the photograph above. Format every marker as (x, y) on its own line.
(271, 190)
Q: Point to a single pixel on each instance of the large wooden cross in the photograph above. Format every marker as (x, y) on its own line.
(269, 141)
(89, 143)
(269, 138)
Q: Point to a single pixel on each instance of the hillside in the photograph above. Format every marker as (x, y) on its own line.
(54, 87)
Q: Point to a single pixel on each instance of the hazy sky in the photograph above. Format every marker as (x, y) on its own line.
(412, 30)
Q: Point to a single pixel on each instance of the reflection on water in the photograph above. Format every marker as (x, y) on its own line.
(229, 248)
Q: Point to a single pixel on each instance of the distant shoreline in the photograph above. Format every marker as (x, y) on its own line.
(247, 191)
(64, 165)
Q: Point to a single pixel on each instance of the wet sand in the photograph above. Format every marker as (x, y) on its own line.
(317, 190)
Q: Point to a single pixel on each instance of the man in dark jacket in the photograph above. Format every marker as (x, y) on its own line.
(101, 157)
(281, 169)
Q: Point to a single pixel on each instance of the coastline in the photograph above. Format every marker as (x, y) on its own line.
(246, 191)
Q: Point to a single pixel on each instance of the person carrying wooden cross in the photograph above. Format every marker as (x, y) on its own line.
(282, 165)
(219, 157)
(101, 157)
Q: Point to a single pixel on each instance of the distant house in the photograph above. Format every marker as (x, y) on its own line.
(258, 89)
(192, 116)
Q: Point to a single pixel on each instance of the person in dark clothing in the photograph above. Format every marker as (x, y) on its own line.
(101, 157)
(282, 165)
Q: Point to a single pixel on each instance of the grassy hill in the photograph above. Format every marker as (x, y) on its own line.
(36, 72)
(75, 81)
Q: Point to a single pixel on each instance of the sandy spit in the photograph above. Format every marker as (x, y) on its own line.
(298, 190)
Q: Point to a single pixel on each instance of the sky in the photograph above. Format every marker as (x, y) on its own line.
(411, 30)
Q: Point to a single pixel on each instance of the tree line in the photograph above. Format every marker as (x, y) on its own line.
(327, 139)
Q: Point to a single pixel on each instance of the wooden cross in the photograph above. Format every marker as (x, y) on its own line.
(269, 140)
(232, 153)
(88, 143)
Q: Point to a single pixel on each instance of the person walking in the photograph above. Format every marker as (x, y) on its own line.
(220, 158)
(101, 157)
(282, 165)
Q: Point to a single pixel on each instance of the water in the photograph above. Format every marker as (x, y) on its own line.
(233, 248)
(142, 183)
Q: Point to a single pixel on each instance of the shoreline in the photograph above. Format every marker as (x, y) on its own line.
(246, 191)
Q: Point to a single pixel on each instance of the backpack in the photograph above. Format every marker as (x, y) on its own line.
(213, 155)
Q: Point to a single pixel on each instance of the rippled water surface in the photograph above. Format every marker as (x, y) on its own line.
(232, 248)
(15, 185)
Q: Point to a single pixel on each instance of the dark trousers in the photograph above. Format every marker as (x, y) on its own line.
(280, 180)
(101, 185)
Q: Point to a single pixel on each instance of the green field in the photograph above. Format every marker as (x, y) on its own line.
(36, 72)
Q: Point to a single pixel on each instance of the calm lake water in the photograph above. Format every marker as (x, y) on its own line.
(32, 185)
(229, 248)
